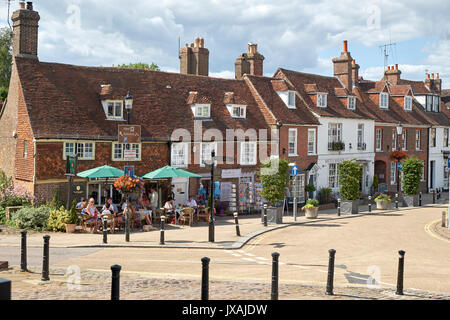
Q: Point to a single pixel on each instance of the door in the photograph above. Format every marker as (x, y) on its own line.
(180, 190)
(432, 170)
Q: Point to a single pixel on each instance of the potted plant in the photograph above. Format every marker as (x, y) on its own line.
(337, 146)
(382, 201)
(310, 188)
(311, 209)
(412, 173)
(71, 218)
(274, 176)
(349, 173)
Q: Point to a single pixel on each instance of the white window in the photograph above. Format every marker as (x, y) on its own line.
(85, 150)
(435, 104)
(379, 137)
(418, 139)
(351, 103)
(408, 103)
(361, 144)
(114, 110)
(237, 111)
(201, 110)
(292, 142)
(126, 152)
(179, 155)
(333, 175)
(394, 139)
(405, 140)
(311, 141)
(322, 100)
(393, 172)
(445, 137)
(206, 149)
(429, 102)
(334, 134)
(384, 100)
(433, 137)
(291, 99)
(248, 153)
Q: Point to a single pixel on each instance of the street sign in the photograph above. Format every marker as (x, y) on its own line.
(129, 155)
(448, 163)
(400, 166)
(129, 134)
(294, 171)
(129, 171)
(71, 166)
(79, 188)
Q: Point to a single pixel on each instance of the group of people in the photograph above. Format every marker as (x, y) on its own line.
(169, 206)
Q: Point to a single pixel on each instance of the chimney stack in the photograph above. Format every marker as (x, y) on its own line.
(249, 63)
(392, 75)
(25, 31)
(355, 74)
(194, 59)
(343, 68)
(434, 83)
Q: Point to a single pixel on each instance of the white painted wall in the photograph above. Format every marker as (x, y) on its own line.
(437, 156)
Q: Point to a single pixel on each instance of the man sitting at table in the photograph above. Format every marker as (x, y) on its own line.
(170, 207)
(191, 203)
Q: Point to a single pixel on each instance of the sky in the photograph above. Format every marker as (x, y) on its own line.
(301, 35)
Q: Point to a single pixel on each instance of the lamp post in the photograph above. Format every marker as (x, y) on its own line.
(212, 216)
(128, 105)
(399, 134)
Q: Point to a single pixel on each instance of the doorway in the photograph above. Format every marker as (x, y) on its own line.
(180, 190)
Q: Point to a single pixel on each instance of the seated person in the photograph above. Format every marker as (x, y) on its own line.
(81, 203)
(91, 209)
(191, 203)
(112, 206)
(144, 202)
(170, 207)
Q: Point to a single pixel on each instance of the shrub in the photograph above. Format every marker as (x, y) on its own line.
(2, 215)
(5, 182)
(383, 197)
(274, 175)
(56, 199)
(324, 195)
(32, 218)
(57, 218)
(375, 182)
(72, 217)
(412, 173)
(349, 173)
(15, 196)
(310, 204)
(310, 188)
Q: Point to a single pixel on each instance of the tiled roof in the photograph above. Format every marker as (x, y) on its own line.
(335, 107)
(267, 88)
(65, 100)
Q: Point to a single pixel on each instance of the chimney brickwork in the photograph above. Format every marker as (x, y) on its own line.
(249, 63)
(392, 75)
(25, 31)
(194, 59)
(343, 68)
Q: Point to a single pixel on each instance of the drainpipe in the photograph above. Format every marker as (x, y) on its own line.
(428, 159)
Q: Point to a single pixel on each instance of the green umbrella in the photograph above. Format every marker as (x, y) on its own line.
(102, 172)
(170, 172)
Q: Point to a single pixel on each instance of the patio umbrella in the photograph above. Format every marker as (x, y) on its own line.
(102, 172)
(170, 172)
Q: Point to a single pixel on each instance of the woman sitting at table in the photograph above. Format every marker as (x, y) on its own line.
(170, 208)
(91, 209)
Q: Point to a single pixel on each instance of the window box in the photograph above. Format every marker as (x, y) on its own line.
(337, 146)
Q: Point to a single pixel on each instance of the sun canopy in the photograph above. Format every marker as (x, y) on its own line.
(102, 172)
(170, 172)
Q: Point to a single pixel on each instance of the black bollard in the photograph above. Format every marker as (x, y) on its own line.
(5, 290)
(339, 208)
(211, 228)
(401, 268)
(420, 199)
(274, 292)
(265, 215)
(115, 282)
(330, 279)
(105, 231)
(370, 204)
(163, 219)
(127, 226)
(396, 201)
(205, 278)
(238, 231)
(46, 259)
(23, 252)
(434, 196)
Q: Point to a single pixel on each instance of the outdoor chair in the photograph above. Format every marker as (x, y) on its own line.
(110, 221)
(187, 214)
(203, 214)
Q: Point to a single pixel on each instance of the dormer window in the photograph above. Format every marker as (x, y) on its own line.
(322, 100)
(351, 103)
(114, 110)
(201, 110)
(384, 100)
(237, 111)
(288, 98)
(435, 104)
(408, 103)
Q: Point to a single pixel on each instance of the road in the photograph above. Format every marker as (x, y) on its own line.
(366, 246)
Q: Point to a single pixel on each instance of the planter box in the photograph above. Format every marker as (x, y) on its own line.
(70, 228)
(311, 213)
(349, 206)
(274, 215)
(411, 200)
(382, 204)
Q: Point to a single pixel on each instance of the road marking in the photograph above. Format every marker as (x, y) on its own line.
(236, 255)
(249, 254)
(248, 259)
(263, 259)
(431, 233)
(301, 267)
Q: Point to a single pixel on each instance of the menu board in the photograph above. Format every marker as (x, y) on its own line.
(225, 188)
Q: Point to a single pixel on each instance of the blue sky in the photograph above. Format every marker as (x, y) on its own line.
(301, 35)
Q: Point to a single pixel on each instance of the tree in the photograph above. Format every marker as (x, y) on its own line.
(350, 173)
(274, 181)
(140, 65)
(412, 173)
(5, 61)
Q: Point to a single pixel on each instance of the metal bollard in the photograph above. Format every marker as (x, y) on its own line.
(211, 229)
(265, 215)
(5, 289)
(434, 196)
(127, 226)
(330, 279)
(46, 259)
(401, 267)
(420, 199)
(339, 208)
(105, 231)
(275, 262)
(370, 204)
(161, 241)
(238, 231)
(444, 217)
(396, 201)
(205, 278)
(115, 282)
(23, 252)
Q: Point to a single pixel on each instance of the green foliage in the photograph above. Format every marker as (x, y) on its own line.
(274, 176)
(5, 61)
(140, 65)
(2, 215)
(312, 202)
(375, 182)
(350, 173)
(57, 219)
(412, 173)
(56, 202)
(72, 217)
(5, 182)
(383, 197)
(310, 188)
(31, 218)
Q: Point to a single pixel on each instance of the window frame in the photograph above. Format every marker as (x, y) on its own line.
(394, 172)
(405, 140)
(324, 101)
(75, 149)
(418, 139)
(433, 134)
(351, 102)
(335, 176)
(242, 110)
(241, 155)
(113, 153)
(195, 110)
(25, 149)
(185, 146)
(338, 136)
(408, 103)
(295, 153)
(114, 117)
(384, 95)
(394, 139)
(360, 136)
(214, 144)
(314, 152)
(380, 140)
(291, 106)
(446, 133)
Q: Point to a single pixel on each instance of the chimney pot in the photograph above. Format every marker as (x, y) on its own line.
(432, 76)
(354, 61)
(396, 67)
(437, 75)
(345, 46)
(22, 5)
(197, 42)
(202, 43)
(30, 5)
(428, 76)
